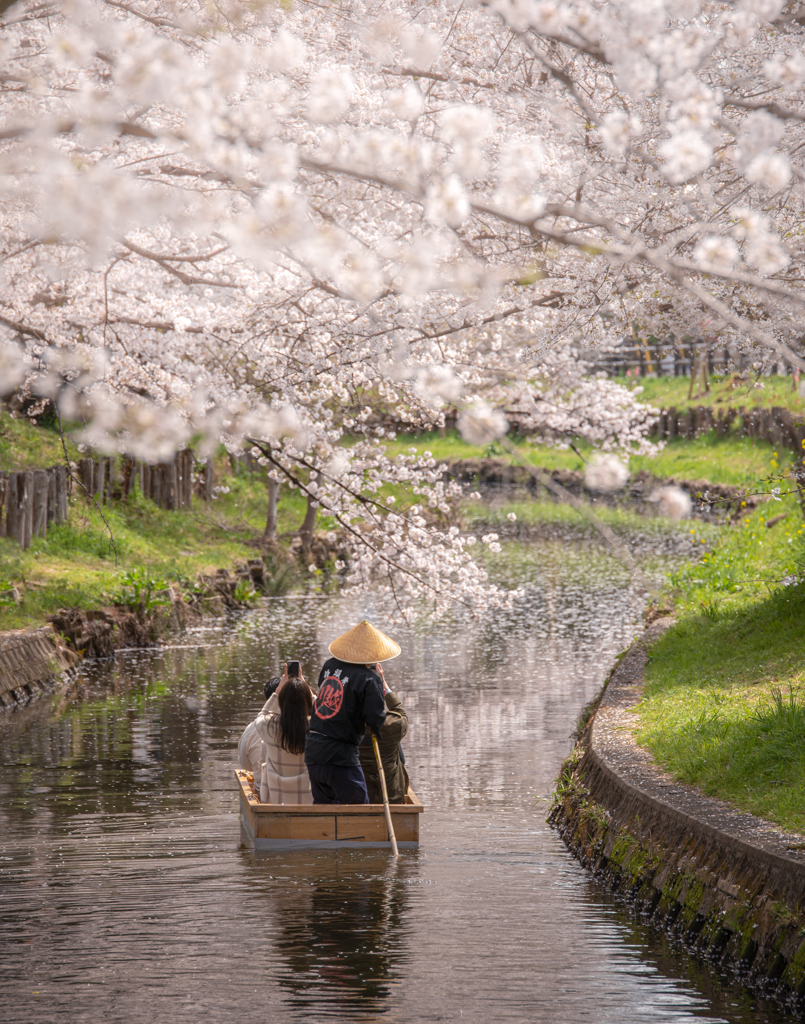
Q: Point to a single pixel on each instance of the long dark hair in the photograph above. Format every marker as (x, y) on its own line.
(296, 703)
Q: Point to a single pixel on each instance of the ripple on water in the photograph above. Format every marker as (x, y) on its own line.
(126, 896)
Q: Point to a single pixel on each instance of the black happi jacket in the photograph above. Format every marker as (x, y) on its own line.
(350, 698)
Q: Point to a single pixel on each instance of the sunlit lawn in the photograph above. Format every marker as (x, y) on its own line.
(664, 392)
(735, 460)
(724, 706)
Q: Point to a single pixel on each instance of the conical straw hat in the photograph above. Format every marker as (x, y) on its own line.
(364, 645)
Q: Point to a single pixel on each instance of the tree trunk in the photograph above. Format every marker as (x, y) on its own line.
(309, 522)
(270, 531)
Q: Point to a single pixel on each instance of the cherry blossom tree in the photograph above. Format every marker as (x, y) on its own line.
(268, 222)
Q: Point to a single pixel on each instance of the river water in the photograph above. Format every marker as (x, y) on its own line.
(126, 895)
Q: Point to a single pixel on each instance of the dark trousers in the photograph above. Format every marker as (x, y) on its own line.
(337, 784)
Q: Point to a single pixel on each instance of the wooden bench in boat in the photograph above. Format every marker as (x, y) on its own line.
(295, 826)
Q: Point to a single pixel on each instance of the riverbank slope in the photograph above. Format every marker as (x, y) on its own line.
(729, 885)
(686, 789)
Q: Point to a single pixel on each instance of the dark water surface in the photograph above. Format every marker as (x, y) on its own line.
(125, 895)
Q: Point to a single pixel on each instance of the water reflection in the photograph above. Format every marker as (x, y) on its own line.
(125, 896)
(339, 929)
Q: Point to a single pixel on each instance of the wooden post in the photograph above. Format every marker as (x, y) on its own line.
(28, 507)
(99, 480)
(60, 477)
(191, 474)
(127, 474)
(51, 509)
(672, 423)
(20, 508)
(178, 479)
(171, 485)
(209, 478)
(146, 481)
(86, 468)
(3, 502)
(13, 516)
(110, 477)
(182, 474)
(39, 504)
(188, 462)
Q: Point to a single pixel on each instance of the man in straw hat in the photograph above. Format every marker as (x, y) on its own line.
(350, 698)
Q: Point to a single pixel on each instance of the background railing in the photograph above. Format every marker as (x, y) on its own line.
(669, 358)
(32, 499)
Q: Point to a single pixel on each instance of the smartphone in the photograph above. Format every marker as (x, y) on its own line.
(293, 668)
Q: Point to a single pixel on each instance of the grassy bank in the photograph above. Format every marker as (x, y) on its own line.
(85, 562)
(664, 392)
(78, 566)
(724, 706)
(734, 460)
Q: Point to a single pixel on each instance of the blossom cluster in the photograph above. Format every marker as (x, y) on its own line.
(288, 223)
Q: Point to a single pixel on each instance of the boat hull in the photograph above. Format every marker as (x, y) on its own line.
(324, 826)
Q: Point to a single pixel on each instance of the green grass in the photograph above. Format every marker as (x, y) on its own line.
(75, 565)
(735, 460)
(665, 392)
(23, 446)
(538, 513)
(724, 705)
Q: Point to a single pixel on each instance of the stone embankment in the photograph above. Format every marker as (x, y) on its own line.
(31, 664)
(730, 885)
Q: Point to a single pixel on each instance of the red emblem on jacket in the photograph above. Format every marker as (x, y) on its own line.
(330, 698)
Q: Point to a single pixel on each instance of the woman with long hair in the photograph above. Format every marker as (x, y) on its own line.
(282, 727)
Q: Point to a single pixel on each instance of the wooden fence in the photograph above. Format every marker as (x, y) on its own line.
(776, 425)
(32, 499)
(668, 359)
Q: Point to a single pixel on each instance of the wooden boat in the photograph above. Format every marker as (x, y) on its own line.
(297, 826)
